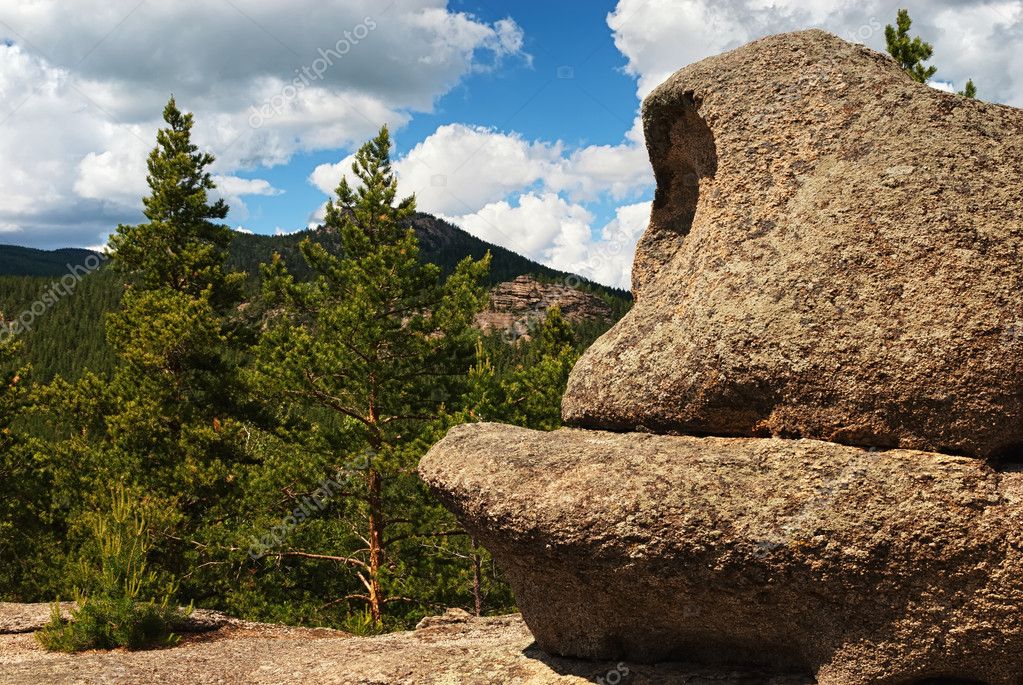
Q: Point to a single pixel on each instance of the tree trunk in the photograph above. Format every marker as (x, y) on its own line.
(376, 538)
(477, 573)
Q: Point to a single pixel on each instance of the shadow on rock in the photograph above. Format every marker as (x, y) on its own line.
(622, 673)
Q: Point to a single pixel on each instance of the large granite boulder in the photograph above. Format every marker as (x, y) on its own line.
(864, 567)
(835, 252)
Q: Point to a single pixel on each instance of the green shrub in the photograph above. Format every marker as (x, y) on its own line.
(361, 623)
(117, 612)
(106, 623)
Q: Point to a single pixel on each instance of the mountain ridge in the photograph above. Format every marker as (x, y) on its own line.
(441, 242)
(16, 260)
(68, 337)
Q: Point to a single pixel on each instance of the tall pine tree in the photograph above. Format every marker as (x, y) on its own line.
(379, 342)
(180, 247)
(176, 385)
(165, 424)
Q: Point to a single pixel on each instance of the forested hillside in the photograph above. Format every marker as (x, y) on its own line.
(26, 261)
(70, 337)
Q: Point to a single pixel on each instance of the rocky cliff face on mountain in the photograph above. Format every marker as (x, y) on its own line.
(518, 305)
(833, 256)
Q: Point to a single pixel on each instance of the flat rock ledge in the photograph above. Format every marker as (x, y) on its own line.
(454, 649)
(858, 566)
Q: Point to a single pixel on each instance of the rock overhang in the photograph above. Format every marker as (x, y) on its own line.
(861, 566)
(829, 290)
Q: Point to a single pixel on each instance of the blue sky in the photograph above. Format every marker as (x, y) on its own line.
(515, 120)
(570, 86)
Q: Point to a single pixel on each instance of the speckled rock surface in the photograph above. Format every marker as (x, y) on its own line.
(450, 650)
(834, 252)
(28, 618)
(863, 567)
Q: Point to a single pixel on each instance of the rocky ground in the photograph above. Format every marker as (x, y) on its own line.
(453, 649)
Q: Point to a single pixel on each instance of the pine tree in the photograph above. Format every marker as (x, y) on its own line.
(912, 53)
(970, 91)
(909, 53)
(380, 342)
(180, 247)
(176, 386)
(13, 471)
(166, 422)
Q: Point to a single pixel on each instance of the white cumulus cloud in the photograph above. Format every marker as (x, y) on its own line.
(82, 89)
(561, 234)
(976, 39)
(527, 196)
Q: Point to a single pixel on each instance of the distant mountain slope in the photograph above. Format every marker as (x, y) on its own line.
(442, 243)
(27, 261)
(69, 336)
(445, 244)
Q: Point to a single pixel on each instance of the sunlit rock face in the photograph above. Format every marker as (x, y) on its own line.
(858, 566)
(834, 252)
